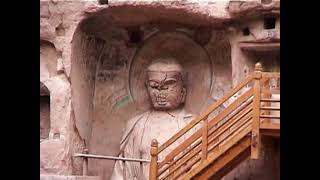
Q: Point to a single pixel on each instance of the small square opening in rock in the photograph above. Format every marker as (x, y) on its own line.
(44, 117)
(266, 1)
(269, 23)
(135, 36)
(103, 1)
(246, 31)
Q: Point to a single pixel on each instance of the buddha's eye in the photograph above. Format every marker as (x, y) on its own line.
(170, 82)
(153, 84)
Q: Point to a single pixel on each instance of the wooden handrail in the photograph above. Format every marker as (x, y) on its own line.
(153, 171)
(206, 113)
(270, 91)
(269, 100)
(232, 107)
(244, 123)
(94, 156)
(182, 146)
(188, 166)
(191, 152)
(242, 116)
(211, 123)
(198, 149)
(270, 116)
(231, 119)
(238, 114)
(221, 150)
(270, 108)
(185, 160)
(270, 75)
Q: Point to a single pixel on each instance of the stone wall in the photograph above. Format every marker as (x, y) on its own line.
(58, 20)
(265, 168)
(243, 61)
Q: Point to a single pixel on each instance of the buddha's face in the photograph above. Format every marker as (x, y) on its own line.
(165, 89)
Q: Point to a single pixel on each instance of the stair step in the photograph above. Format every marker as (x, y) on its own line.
(270, 116)
(270, 100)
(270, 108)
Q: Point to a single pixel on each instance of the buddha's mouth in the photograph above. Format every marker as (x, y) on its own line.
(161, 100)
(161, 103)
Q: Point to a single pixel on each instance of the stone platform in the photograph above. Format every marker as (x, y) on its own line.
(62, 177)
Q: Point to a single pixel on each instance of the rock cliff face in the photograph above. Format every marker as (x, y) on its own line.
(58, 19)
(87, 53)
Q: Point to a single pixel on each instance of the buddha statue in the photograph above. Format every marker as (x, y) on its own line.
(166, 88)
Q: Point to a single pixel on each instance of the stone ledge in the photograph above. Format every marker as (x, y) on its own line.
(188, 12)
(62, 177)
(238, 8)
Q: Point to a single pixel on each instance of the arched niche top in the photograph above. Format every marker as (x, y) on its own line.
(124, 14)
(48, 60)
(187, 52)
(44, 91)
(47, 43)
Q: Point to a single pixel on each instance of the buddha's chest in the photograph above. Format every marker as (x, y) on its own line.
(161, 130)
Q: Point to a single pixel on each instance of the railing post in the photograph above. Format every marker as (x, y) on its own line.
(266, 95)
(255, 139)
(204, 139)
(85, 163)
(153, 169)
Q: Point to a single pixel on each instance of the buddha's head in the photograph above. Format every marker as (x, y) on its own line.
(165, 84)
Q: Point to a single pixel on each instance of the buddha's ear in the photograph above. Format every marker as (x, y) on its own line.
(184, 94)
(146, 84)
(185, 79)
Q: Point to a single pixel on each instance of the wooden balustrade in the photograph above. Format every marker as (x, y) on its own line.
(204, 138)
(255, 141)
(270, 100)
(245, 113)
(153, 170)
(213, 122)
(206, 113)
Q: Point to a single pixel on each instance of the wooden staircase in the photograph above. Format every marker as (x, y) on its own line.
(218, 143)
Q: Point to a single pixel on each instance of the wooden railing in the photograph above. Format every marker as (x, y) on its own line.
(85, 156)
(212, 135)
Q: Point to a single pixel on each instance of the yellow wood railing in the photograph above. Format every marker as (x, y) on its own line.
(219, 133)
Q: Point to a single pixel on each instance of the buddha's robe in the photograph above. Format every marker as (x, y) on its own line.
(136, 142)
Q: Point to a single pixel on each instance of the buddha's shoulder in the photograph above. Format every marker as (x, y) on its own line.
(133, 124)
(137, 119)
